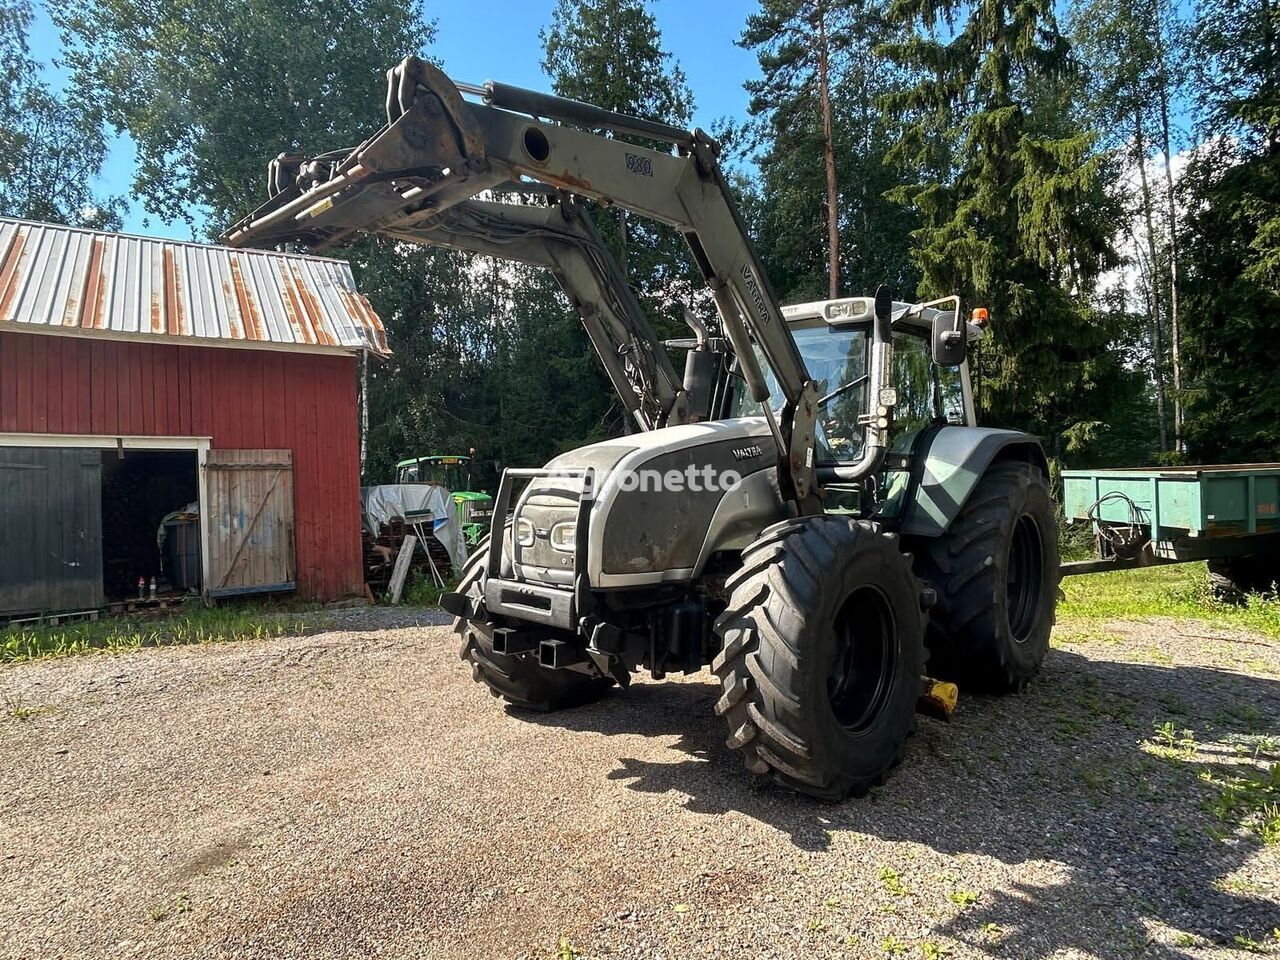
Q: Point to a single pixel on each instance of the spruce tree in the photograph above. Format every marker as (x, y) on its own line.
(1009, 192)
(609, 53)
(1232, 236)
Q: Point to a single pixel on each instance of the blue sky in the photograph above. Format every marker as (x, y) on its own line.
(498, 40)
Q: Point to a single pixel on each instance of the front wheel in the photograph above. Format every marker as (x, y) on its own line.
(822, 654)
(996, 574)
(517, 678)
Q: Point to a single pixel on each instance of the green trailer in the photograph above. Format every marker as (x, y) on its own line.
(1227, 514)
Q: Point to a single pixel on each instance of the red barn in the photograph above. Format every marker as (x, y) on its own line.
(177, 411)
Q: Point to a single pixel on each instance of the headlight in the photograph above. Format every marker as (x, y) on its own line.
(524, 533)
(564, 536)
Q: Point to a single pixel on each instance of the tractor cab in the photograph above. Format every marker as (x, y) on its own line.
(931, 392)
(451, 472)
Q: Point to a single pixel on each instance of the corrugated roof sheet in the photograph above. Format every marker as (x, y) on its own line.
(86, 280)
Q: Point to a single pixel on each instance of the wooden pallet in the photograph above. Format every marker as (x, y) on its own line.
(52, 620)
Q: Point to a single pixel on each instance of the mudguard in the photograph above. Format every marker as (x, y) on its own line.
(948, 467)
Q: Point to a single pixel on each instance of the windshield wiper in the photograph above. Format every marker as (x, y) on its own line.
(848, 386)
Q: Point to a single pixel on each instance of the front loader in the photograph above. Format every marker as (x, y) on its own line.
(808, 508)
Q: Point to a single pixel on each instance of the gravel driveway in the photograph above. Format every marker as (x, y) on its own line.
(354, 794)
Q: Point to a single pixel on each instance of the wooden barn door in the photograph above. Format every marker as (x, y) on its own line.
(250, 521)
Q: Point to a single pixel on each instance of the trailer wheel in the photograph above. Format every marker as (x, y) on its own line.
(1233, 578)
(518, 679)
(996, 573)
(822, 653)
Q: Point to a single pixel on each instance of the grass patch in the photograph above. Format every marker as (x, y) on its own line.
(1251, 799)
(16, 708)
(421, 590)
(1177, 590)
(195, 623)
(1171, 743)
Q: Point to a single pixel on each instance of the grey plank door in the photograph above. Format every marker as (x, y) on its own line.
(249, 521)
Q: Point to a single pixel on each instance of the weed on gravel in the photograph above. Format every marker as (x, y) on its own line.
(17, 709)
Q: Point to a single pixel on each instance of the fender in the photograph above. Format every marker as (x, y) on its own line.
(949, 465)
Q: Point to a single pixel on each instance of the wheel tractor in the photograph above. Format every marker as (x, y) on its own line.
(473, 508)
(809, 509)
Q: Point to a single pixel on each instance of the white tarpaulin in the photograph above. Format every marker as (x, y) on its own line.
(423, 505)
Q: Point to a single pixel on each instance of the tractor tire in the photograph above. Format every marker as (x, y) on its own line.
(822, 654)
(1232, 579)
(996, 574)
(517, 678)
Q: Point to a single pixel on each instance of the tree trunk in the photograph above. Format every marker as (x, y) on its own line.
(1154, 334)
(829, 159)
(1179, 441)
(1269, 71)
(1153, 291)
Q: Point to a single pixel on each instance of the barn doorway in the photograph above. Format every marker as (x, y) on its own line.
(150, 522)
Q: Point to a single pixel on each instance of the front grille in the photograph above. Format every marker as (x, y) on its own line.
(478, 511)
(544, 513)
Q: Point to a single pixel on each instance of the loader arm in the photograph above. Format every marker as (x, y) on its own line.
(416, 178)
(561, 238)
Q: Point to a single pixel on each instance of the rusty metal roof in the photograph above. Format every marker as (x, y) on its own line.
(70, 280)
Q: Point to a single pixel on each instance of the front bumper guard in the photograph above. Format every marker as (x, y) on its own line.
(527, 600)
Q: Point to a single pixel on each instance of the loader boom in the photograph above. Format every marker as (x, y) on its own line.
(418, 177)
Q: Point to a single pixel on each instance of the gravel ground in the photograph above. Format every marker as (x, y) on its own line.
(353, 794)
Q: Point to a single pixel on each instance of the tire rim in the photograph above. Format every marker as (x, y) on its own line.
(860, 681)
(1024, 578)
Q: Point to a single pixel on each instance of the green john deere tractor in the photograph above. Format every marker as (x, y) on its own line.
(474, 508)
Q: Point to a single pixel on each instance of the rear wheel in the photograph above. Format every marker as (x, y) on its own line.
(996, 573)
(1232, 578)
(822, 653)
(518, 678)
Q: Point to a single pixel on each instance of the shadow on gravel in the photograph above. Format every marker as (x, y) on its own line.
(1093, 768)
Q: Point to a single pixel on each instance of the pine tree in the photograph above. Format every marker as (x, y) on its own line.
(1130, 87)
(827, 228)
(798, 43)
(1013, 215)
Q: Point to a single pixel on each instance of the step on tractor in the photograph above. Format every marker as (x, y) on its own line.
(472, 508)
(808, 509)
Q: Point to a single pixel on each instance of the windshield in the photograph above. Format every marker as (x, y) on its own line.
(452, 473)
(835, 356)
(451, 476)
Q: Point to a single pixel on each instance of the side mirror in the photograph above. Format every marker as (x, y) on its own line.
(883, 313)
(949, 346)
